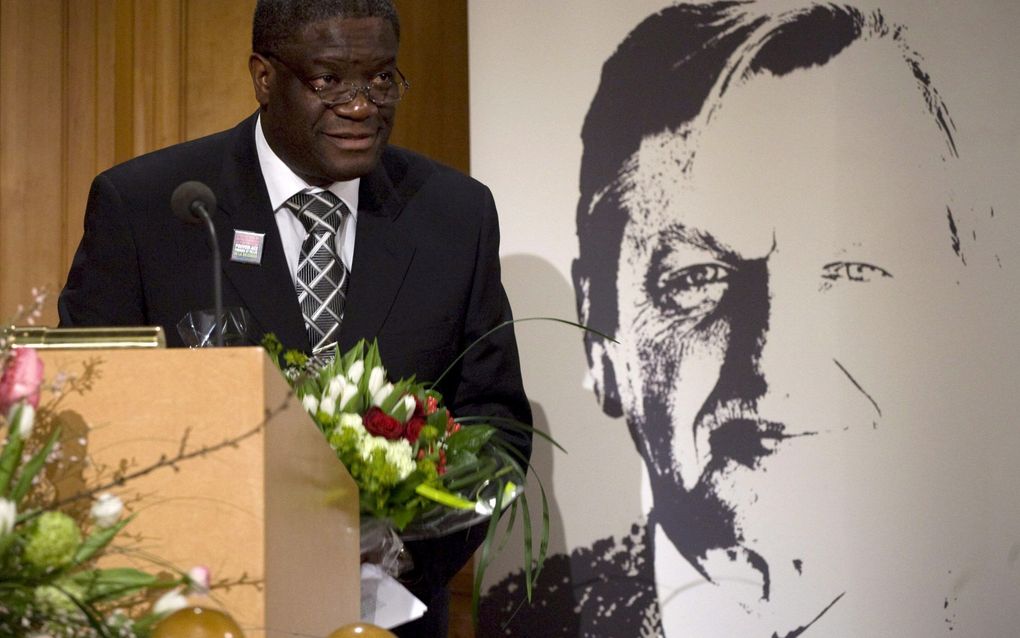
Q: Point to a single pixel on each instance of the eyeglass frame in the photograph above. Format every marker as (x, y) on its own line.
(362, 89)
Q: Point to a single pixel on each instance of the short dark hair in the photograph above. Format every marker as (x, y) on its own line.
(276, 21)
(692, 55)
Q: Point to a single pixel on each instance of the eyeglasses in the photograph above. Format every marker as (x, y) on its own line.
(386, 87)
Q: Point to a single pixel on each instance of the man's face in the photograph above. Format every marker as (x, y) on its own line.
(782, 329)
(324, 145)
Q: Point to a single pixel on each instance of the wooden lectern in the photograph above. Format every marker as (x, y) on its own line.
(272, 509)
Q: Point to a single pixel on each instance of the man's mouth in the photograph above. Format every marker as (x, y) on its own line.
(353, 141)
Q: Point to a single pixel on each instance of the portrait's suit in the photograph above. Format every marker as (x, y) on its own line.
(606, 590)
(425, 277)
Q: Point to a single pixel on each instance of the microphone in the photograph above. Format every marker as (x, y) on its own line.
(193, 203)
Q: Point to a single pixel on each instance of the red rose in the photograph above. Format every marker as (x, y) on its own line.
(414, 427)
(381, 424)
(21, 379)
(419, 409)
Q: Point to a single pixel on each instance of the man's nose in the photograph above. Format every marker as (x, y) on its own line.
(360, 108)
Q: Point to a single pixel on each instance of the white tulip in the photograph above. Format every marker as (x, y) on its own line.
(349, 392)
(25, 419)
(336, 385)
(409, 405)
(310, 403)
(8, 515)
(355, 371)
(376, 379)
(382, 394)
(106, 510)
(327, 405)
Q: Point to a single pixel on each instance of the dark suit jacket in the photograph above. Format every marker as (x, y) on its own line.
(425, 279)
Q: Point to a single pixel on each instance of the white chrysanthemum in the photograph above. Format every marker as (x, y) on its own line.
(106, 510)
(170, 602)
(8, 514)
(376, 379)
(371, 444)
(400, 455)
(382, 394)
(310, 403)
(355, 371)
(353, 421)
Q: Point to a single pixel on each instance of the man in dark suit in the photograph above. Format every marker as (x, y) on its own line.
(416, 245)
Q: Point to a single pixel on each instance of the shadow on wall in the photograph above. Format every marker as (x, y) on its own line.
(592, 489)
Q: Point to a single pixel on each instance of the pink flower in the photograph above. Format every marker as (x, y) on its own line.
(198, 579)
(21, 379)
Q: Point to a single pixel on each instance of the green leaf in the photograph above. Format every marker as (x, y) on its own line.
(295, 358)
(471, 438)
(107, 583)
(98, 540)
(11, 454)
(30, 469)
(484, 557)
(273, 347)
(444, 498)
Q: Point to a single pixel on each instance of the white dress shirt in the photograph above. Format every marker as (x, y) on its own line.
(282, 184)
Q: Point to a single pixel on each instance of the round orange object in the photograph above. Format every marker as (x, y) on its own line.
(197, 622)
(361, 630)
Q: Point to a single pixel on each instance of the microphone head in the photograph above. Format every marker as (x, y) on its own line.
(188, 197)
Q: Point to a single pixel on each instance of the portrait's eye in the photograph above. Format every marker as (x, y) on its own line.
(853, 271)
(694, 291)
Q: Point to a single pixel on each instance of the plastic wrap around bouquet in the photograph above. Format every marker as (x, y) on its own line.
(421, 473)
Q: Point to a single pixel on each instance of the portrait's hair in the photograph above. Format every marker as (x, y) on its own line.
(671, 74)
(276, 21)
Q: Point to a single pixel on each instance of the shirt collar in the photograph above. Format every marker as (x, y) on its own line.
(282, 183)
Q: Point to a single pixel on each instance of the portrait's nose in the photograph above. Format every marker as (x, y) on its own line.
(796, 362)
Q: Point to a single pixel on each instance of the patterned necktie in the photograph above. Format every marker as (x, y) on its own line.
(321, 275)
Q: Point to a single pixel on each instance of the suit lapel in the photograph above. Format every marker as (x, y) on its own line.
(382, 255)
(266, 289)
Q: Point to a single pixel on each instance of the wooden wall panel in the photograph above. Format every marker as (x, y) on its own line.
(156, 74)
(433, 118)
(218, 91)
(32, 188)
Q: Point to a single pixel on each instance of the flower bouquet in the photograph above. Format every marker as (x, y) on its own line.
(50, 583)
(421, 472)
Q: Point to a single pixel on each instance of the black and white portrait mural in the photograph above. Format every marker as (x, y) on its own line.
(798, 221)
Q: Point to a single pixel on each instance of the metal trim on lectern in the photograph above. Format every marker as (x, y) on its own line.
(86, 338)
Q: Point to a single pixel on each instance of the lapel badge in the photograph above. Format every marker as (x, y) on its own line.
(247, 248)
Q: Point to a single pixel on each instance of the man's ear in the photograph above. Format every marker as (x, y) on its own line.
(261, 76)
(600, 363)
